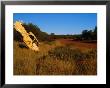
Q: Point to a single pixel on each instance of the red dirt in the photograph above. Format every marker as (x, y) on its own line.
(78, 44)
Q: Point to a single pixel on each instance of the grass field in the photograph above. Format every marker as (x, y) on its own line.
(59, 57)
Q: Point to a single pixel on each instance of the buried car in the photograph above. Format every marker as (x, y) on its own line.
(29, 39)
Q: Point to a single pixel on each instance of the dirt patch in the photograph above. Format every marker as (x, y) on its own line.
(78, 44)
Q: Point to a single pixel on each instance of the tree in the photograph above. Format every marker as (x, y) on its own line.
(95, 33)
(85, 34)
(89, 34)
(41, 36)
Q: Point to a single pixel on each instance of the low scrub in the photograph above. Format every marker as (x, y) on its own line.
(67, 53)
(60, 60)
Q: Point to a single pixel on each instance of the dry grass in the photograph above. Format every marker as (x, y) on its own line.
(24, 61)
(49, 66)
(54, 58)
(86, 67)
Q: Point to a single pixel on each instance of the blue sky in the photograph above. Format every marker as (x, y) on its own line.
(59, 23)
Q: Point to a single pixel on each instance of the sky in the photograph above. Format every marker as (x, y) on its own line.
(59, 23)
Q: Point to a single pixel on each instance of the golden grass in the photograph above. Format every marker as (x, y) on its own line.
(86, 67)
(51, 66)
(28, 62)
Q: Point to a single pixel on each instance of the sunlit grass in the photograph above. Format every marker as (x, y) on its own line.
(54, 59)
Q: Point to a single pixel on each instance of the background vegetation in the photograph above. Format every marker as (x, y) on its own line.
(43, 36)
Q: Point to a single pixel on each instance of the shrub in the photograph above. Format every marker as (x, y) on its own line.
(66, 53)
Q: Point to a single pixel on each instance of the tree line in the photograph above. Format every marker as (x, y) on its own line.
(85, 35)
(43, 36)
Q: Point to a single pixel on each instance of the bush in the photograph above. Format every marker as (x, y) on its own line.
(67, 53)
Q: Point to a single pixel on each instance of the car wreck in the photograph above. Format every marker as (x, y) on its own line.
(29, 39)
